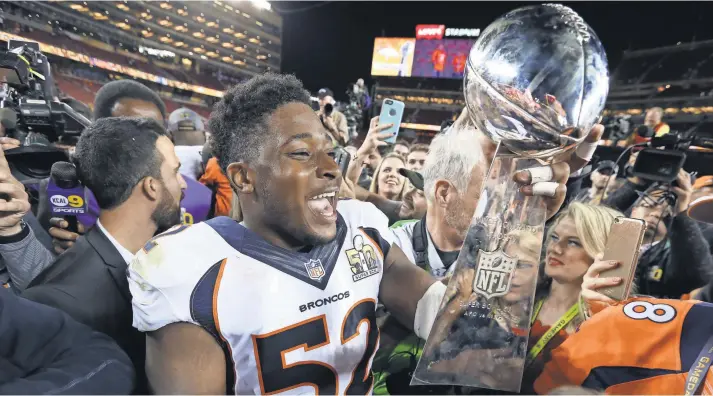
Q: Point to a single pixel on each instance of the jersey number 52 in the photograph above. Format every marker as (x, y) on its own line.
(275, 375)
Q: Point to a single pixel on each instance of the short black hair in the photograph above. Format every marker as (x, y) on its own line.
(114, 154)
(238, 123)
(114, 91)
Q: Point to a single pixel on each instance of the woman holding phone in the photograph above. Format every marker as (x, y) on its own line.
(577, 236)
(387, 181)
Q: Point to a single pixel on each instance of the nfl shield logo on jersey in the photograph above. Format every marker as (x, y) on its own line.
(315, 270)
(494, 273)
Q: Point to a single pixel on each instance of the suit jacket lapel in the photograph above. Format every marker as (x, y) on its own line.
(111, 257)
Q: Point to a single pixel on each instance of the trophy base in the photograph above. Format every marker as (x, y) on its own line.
(479, 338)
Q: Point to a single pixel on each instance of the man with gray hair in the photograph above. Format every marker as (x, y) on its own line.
(453, 175)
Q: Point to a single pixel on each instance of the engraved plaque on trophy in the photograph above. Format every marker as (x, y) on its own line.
(536, 82)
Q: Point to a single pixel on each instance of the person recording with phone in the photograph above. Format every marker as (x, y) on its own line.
(333, 119)
(675, 256)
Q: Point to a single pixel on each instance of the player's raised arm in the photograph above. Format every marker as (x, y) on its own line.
(178, 349)
(411, 294)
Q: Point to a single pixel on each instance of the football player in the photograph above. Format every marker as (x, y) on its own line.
(285, 300)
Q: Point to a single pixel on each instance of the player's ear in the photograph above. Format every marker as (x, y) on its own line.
(242, 177)
(150, 188)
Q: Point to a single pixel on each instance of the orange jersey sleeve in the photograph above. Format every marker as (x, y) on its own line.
(639, 346)
(214, 178)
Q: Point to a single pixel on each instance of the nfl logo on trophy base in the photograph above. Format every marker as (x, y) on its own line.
(494, 273)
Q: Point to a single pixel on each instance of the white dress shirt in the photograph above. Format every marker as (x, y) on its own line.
(124, 252)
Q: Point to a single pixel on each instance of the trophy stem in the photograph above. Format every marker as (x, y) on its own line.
(479, 337)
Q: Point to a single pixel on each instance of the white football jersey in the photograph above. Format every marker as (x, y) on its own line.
(289, 321)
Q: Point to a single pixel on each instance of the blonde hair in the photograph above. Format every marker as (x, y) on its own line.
(374, 188)
(592, 223)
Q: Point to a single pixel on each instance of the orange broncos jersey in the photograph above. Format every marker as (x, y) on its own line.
(642, 346)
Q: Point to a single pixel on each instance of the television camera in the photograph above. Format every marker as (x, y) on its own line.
(30, 112)
(663, 157)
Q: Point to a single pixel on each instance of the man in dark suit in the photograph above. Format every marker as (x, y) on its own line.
(44, 351)
(131, 167)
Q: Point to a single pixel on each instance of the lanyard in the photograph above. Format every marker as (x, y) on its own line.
(561, 323)
(699, 369)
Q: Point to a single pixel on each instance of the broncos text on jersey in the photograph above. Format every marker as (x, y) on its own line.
(289, 321)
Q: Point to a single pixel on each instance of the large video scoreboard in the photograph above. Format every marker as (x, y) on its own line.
(436, 52)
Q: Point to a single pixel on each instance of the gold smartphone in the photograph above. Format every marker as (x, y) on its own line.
(623, 244)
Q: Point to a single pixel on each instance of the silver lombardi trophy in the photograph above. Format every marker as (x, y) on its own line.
(535, 83)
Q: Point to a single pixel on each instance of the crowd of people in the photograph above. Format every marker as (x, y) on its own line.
(307, 274)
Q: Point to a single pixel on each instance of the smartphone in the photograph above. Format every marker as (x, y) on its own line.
(623, 244)
(392, 111)
(342, 158)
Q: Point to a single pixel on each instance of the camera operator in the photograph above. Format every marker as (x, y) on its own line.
(676, 257)
(653, 122)
(333, 119)
(24, 245)
(89, 280)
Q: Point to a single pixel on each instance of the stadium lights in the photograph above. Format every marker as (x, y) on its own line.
(262, 4)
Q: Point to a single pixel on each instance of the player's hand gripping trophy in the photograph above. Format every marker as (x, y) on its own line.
(536, 82)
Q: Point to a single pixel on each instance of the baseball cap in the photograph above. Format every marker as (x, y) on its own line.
(185, 119)
(324, 92)
(414, 177)
(607, 167)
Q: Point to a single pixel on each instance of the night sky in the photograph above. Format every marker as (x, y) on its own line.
(329, 44)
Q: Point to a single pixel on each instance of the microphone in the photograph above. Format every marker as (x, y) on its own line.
(67, 197)
(644, 131)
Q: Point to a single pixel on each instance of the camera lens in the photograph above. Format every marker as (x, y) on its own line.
(389, 101)
(392, 112)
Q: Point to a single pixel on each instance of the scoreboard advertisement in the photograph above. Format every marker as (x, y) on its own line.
(436, 52)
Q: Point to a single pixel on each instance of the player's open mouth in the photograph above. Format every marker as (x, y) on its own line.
(324, 205)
